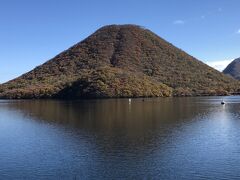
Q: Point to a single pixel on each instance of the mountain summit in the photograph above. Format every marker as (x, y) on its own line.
(233, 69)
(120, 61)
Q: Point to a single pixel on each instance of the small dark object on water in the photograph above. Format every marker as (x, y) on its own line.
(223, 102)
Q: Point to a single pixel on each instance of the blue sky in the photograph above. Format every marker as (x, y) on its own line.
(35, 31)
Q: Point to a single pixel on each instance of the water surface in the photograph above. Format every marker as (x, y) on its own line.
(161, 138)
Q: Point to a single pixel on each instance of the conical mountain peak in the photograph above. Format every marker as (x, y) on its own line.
(120, 61)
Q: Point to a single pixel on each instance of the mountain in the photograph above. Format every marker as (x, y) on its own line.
(120, 61)
(233, 69)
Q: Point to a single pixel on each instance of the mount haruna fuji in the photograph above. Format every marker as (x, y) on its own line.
(120, 61)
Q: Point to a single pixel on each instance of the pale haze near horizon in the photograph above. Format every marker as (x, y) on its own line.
(219, 65)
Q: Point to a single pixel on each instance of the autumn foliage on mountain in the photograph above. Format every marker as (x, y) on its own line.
(120, 61)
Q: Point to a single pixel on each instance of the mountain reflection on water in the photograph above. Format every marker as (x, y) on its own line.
(168, 138)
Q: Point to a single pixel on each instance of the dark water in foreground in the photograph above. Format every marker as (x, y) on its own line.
(165, 138)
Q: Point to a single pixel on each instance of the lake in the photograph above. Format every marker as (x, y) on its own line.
(158, 138)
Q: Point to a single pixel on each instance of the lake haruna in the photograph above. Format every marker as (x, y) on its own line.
(158, 138)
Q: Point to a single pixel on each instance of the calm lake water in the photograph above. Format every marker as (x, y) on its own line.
(162, 138)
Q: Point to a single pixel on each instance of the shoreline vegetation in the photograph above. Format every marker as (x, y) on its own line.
(120, 61)
(102, 98)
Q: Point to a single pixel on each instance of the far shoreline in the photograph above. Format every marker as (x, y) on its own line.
(109, 98)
